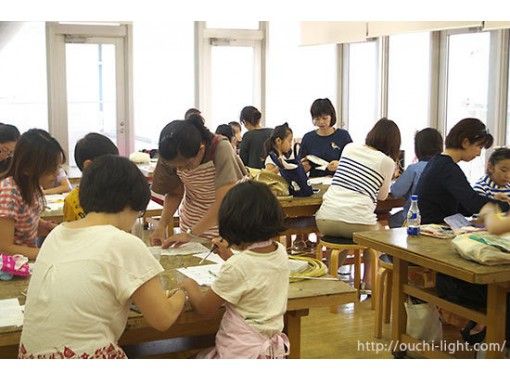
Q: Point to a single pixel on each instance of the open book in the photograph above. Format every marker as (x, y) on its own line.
(321, 164)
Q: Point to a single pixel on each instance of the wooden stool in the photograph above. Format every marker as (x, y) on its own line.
(339, 244)
(383, 299)
(301, 225)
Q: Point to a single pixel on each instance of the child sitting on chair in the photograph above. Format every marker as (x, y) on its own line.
(496, 184)
(253, 284)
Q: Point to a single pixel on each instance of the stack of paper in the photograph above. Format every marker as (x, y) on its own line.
(11, 313)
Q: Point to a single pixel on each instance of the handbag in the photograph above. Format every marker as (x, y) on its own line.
(278, 185)
(483, 248)
(423, 321)
(294, 173)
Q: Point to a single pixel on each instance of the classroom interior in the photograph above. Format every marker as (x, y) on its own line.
(127, 80)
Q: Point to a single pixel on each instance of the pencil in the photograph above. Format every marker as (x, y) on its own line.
(206, 256)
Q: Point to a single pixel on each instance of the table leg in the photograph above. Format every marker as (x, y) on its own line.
(293, 331)
(496, 321)
(398, 326)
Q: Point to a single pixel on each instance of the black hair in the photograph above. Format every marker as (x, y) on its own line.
(279, 132)
(8, 133)
(191, 111)
(472, 129)
(250, 213)
(225, 130)
(91, 146)
(322, 107)
(250, 114)
(183, 138)
(112, 183)
(385, 137)
(427, 143)
(36, 154)
(234, 124)
(498, 155)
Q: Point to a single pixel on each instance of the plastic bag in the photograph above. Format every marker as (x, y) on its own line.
(423, 322)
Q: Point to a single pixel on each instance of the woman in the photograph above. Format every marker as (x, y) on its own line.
(88, 272)
(363, 177)
(444, 190)
(9, 135)
(326, 142)
(197, 168)
(251, 149)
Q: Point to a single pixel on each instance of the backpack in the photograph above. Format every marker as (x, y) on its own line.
(295, 175)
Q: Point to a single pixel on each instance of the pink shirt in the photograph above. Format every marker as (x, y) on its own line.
(26, 218)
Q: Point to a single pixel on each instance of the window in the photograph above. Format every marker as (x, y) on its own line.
(23, 92)
(297, 75)
(468, 78)
(363, 89)
(408, 87)
(163, 76)
(254, 25)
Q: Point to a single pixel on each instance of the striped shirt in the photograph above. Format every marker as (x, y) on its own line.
(26, 218)
(363, 176)
(487, 187)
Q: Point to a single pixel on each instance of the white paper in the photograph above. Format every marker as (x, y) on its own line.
(212, 257)
(55, 198)
(202, 274)
(11, 313)
(185, 249)
(318, 161)
(320, 180)
(296, 266)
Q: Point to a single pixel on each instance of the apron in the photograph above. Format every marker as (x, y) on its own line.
(238, 340)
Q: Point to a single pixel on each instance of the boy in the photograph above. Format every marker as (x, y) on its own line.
(86, 150)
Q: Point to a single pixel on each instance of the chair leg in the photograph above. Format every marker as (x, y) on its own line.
(288, 241)
(318, 252)
(357, 271)
(387, 296)
(333, 262)
(374, 257)
(379, 303)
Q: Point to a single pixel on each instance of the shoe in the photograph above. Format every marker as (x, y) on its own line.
(363, 289)
(472, 338)
(344, 270)
(299, 246)
(310, 244)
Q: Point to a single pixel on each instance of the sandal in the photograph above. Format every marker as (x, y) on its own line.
(299, 246)
(472, 338)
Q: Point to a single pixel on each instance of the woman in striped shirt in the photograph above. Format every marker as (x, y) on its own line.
(363, 176)
(197, 168)
(35, 164)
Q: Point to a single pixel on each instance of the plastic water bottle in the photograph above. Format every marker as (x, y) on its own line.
(413, 217)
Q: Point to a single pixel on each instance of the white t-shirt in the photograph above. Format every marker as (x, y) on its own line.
(80, 290)
(257, 286)
(363, 176)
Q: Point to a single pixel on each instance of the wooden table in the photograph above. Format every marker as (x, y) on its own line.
(302, 296)
(440, 256)
(56, 214)
(308, 206)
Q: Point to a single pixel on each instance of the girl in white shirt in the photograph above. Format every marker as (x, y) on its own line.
(362, 178)
(89, 271)
(253, 284)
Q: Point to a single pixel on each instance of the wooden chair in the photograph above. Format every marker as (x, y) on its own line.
(383, 298)
(338, 245)
(300, 225)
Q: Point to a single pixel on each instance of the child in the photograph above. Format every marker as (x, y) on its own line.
(227, 131)
(88, 272)
(253, 283)
(496, 184)
(279, 144)
(9, 135)
(90, 147)
(427, 143)
(252, 146)
(35, 165)
(61, 184)
(237, 133)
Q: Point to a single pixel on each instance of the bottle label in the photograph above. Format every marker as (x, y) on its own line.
(413, 231)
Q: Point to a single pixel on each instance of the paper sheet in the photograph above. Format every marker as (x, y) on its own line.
(212, 257)
(296, 266)
(202, 274)
(185, 249)
(11, 313)
(320, 180)
(323, 164)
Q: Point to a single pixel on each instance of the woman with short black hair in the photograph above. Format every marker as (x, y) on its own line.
(251, 149)
(89, 271)
(197, 168)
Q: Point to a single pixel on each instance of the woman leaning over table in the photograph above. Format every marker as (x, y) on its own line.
(196, 167)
